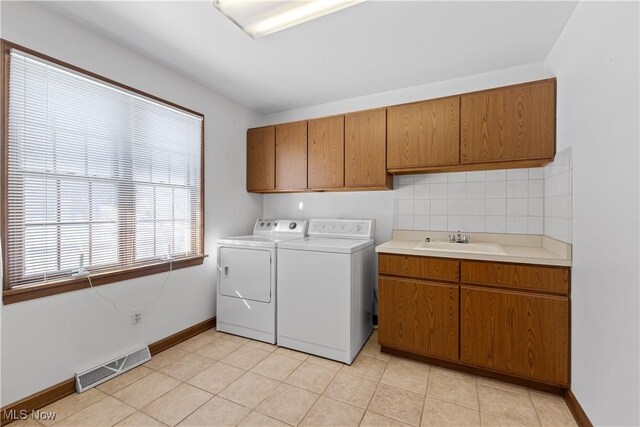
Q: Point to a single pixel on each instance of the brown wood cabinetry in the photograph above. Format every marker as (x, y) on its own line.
(516, 276)
(507, 127)
(261, 159)
(519, 333)
(509, 124)
(507, 319)
(419, 267)
(419, 316)
(424, 134)
(365, 146)
(326, 152)
(291, 156)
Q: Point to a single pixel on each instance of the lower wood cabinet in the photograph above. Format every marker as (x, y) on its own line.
(419, 316)
(520, 333)
(510, 319)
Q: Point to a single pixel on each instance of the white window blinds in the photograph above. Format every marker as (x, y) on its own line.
(98, 171)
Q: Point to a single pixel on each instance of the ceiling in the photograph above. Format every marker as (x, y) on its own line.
(372, 47)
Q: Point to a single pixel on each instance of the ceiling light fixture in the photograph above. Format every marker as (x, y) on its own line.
(261, 17)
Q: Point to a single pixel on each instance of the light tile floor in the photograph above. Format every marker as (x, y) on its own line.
(216, 379)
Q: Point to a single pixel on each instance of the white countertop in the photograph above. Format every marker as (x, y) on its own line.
(522, 249)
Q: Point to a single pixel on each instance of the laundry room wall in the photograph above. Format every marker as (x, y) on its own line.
(597, 62)
(46, 340)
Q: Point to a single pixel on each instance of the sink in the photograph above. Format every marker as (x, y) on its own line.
(474, 248)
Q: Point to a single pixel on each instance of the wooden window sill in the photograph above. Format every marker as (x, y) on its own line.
(26, 293)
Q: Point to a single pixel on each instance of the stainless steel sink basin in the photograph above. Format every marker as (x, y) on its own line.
(474, 248)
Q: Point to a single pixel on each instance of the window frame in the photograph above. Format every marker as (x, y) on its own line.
(28, 292)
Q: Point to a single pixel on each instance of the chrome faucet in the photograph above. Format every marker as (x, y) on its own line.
(459, 238)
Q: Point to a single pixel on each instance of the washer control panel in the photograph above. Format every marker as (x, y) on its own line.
(353, 228)
(281, 226)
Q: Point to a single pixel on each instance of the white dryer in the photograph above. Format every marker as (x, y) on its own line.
(247, 279)
(325, 289)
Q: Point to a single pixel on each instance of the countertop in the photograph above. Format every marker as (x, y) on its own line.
(522, 249)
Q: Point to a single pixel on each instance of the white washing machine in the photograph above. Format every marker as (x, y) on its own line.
(325, 289)
(247, 279)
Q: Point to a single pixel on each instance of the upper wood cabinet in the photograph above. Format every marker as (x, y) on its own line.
(507, 127)
(424, 134)
(510, 319)
(291, 156)
(521, 277)
(261, 159)
(509, 124)
(326, 152)
(365, 148)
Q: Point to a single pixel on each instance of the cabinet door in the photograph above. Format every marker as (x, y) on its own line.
(365, 149)
(512, 123)
(517, 333)
(437, 320)
(261, 159)
(424, 134)
(396, 313)
(291, 156)
(326, 152)
(419, 317)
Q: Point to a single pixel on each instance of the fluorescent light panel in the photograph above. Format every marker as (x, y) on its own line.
(261, 17)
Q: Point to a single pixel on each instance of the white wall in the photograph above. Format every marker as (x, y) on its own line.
(376, 204)
(596, 62)
(45, 341)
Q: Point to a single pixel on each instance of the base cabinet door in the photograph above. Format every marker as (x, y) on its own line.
(396, 313)
(515, 332)
(420, 317)
(437, 320)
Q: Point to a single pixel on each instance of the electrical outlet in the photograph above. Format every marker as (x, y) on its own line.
(136, 316)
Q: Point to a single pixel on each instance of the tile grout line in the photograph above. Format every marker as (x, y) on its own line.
(376, 391)
(535, 409)
(74, 413)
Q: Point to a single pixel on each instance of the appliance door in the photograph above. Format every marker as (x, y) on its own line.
(314, 302)
(245, 273)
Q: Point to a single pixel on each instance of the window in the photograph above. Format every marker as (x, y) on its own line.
(94, 171)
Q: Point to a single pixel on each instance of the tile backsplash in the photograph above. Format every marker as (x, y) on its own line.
(499, 201)
(519, 201)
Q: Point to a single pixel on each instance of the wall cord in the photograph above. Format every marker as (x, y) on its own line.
(115, 307)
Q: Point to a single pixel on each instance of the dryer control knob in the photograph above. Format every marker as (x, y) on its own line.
(292, 225)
